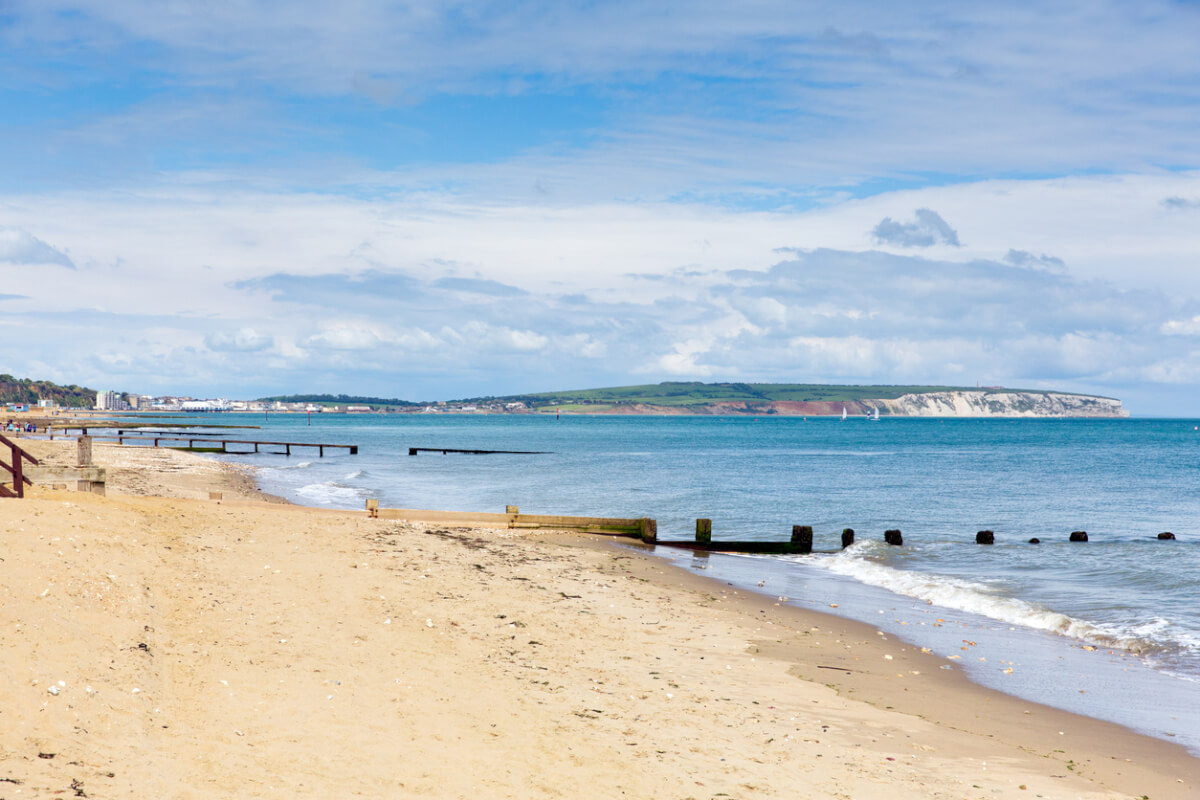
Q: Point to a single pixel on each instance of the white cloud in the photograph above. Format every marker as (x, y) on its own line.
(243, 340)
(927, 230)
(18, 246)
(345, 337)
(1181, 327)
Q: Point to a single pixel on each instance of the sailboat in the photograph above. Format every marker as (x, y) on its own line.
(843, 413)
(873, 416)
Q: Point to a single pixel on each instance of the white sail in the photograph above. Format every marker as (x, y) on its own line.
(843, 413)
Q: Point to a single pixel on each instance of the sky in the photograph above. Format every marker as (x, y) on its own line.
(442, 200)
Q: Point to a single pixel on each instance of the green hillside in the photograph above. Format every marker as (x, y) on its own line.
(692, 393)
(337, 399)
(24, 390)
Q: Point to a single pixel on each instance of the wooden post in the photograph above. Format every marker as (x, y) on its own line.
(985, 537)
(649, 529)
(1166, 536)
(847, 537)
(703, 531)
(893, 537)
(512, 510)
(373, 507)
(218, 496)
(320, 451)
(1035, 540)
(802, 537)
(1079, 536)
(83, 452)
(18, 474)
(289, 450)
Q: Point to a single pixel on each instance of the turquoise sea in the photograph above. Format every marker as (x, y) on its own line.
(1110, 628)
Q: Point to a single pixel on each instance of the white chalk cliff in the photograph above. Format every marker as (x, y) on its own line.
(984, 403)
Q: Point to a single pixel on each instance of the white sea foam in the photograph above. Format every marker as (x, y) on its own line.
(331, 493)
(353, 476)
(988, 601)
(300, 465)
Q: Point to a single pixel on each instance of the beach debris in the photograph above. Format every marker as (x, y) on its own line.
(53, 690)
(887, 658)
(428, 623)
(833, 605)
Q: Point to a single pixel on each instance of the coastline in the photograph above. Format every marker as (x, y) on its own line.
(625, 672)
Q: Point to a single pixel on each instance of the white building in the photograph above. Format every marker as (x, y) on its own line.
(107, 401)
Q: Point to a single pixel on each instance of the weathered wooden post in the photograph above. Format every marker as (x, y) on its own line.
(985, 537)
(802, 537)
(373, 507)
(1166, 535)
(1035, 540)
(703, 531)
(649, 529)
(1079, 536)
(512, 510)
(893, 537)
(83, 451)
(847, 537)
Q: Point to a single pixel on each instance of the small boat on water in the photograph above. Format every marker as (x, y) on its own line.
(873, 416)
(843, 413)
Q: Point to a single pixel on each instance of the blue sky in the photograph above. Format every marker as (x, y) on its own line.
(434, 200)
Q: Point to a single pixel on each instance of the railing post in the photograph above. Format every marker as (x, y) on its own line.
(18, 475)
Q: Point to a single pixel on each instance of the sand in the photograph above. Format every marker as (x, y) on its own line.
(161, 645)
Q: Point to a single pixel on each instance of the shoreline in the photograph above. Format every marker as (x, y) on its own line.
(754, 667)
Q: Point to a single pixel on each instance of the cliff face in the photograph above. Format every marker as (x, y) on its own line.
(980, 403)
(1000, 404)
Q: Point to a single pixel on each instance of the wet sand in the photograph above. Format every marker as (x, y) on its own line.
(243, 649)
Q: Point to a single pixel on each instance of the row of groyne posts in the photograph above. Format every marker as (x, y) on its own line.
(801, 542)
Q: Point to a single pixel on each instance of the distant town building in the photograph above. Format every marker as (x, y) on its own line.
(107, 401)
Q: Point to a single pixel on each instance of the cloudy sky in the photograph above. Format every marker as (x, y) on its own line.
(435, 200)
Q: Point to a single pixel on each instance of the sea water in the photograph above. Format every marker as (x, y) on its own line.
(1110, 628)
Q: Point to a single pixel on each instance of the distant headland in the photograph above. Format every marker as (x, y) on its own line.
(781, 399)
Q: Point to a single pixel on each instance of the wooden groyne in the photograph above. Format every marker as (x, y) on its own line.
(801, 542)
(207, 442)
(636, 527)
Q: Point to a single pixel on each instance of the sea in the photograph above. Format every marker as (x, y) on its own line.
(1109, 628)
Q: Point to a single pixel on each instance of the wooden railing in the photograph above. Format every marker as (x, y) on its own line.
(15, 469)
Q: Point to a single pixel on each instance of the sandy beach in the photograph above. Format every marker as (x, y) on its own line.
(161, 644)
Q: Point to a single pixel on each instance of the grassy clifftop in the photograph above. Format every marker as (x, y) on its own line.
(684, 394)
